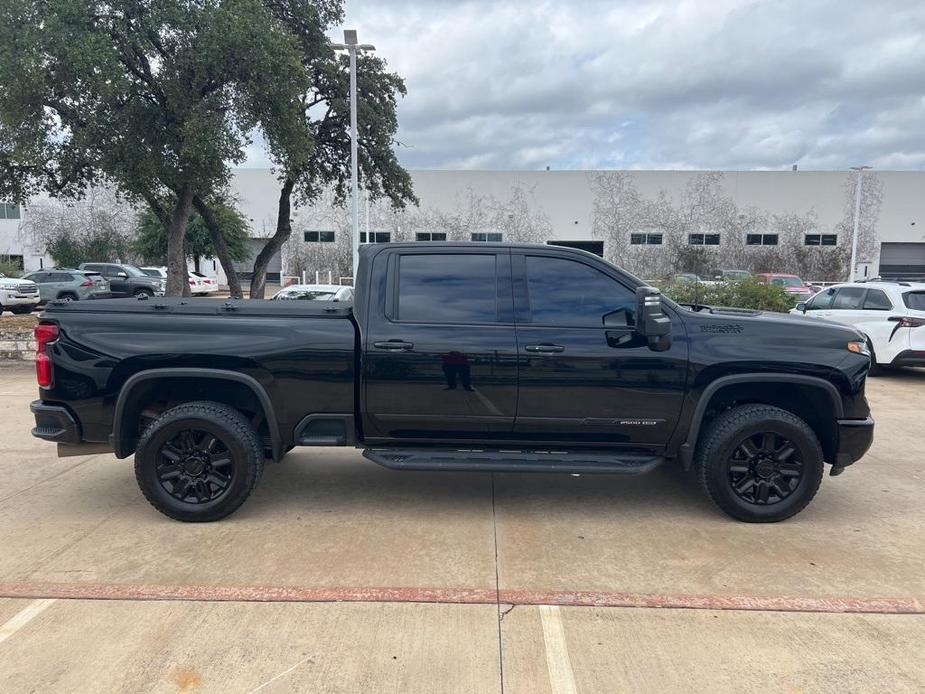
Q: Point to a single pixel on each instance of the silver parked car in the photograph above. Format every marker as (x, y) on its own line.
(69, 285)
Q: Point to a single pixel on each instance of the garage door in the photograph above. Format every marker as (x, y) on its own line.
(902, 261)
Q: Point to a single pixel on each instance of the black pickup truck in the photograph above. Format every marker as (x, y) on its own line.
(477, 357)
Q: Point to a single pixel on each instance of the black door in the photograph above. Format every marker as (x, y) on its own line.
(440, 356)
(585, 375)
(118, 279)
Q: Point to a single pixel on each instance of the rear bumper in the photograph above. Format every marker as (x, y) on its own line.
(54, 423)
(909, 357)
(854, 438)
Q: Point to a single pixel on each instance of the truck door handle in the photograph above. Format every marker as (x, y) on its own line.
(394, 345)
(545, 349)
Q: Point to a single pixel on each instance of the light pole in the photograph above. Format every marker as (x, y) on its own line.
(351, 46)
(857, 220)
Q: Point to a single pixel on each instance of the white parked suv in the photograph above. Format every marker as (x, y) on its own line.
(890, 314)
(18, 296)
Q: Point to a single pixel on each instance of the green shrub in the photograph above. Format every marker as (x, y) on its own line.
(747, 293)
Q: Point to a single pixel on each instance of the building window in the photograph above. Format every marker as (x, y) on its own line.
(9, 210)
(376, 237)
(431, 236)
(318, 236)
(703, 239)
(646, 239)
(485, 237)
(14, 260)
(761, 239)
(820, 240)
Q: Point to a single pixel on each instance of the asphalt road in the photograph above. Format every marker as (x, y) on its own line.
(340, 576)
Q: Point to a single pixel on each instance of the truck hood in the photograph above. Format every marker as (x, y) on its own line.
(16, 282)
(716, 319)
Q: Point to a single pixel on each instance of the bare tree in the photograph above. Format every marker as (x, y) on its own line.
(517, 217)
(99, 226)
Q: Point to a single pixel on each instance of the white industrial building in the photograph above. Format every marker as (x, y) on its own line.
(650, 221)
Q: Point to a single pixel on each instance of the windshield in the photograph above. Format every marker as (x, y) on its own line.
(737, 274)
(787, 281)
(133, 271)
(307, 294)
(151, 272)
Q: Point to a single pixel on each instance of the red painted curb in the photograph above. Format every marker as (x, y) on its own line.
(470, 596)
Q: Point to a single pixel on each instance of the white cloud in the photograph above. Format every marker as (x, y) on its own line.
(718, 84)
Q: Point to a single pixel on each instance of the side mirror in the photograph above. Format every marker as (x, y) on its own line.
(651, 321)
(801, 307)
(123, 275)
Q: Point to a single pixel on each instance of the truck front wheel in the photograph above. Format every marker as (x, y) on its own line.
(199, 461)
(759, 463)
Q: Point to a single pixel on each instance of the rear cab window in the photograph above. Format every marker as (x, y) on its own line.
(447, 288)
(877, 300)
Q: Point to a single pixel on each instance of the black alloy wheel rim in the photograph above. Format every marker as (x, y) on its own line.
(765, 469)
(195, 466)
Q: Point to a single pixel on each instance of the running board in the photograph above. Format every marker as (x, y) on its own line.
(513, 460)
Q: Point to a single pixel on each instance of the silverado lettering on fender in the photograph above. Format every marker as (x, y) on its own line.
(483, 357)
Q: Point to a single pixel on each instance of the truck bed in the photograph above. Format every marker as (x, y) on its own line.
(303, 354)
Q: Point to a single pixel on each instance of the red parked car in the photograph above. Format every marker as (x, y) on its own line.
(792, 284)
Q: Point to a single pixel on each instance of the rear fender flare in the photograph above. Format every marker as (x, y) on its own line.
(119, 445)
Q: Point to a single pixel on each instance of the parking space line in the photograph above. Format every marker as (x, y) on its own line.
(23, 617)
(470, 596)
(558, 663)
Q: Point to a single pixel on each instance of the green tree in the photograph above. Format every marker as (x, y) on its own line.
(314, 156)
(156, 97)
(150, 242)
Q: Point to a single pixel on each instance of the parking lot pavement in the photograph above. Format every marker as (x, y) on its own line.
(402, 548)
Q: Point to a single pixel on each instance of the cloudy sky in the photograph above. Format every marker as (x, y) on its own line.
(713, 84)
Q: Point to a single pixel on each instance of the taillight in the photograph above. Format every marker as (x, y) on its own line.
(86, 283)
(45, 333)
(192, 283)
(908, 321)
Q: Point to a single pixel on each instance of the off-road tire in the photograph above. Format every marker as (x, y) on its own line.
(721, 439)
(234, 432)
(146, 292)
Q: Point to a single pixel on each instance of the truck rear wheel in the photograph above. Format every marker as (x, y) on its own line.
(199, 461)
(759, 463)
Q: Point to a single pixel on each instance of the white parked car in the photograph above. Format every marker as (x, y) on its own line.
(315, 292)
(202, 284)
(198, 283)
(18, 296)
(890, 314)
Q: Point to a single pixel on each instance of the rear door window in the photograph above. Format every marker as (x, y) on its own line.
(849, 298)
(447, 288)
(877, 300)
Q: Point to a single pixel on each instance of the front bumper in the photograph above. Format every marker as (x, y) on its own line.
(854, 438)
(13, 298)
(54, 423)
